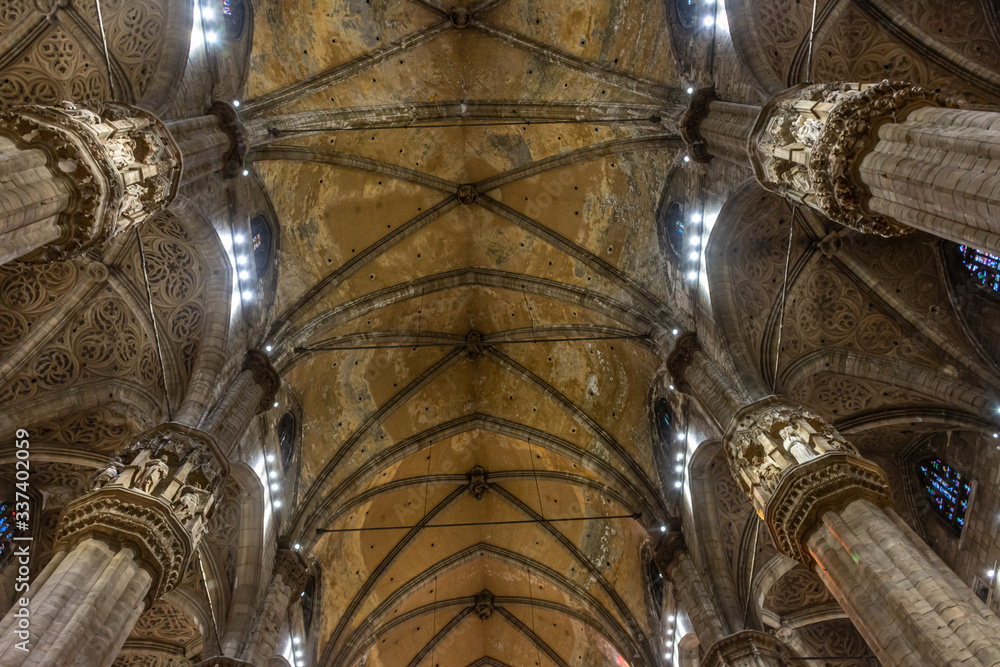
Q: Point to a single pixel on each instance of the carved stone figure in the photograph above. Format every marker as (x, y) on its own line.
(109, 474)
(152, 473)
(484, 605)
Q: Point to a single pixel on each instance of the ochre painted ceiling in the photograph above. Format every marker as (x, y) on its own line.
(427, 328)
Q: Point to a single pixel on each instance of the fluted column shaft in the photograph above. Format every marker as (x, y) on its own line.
(288, 582)
(213, 143)
(117, 549)
(826, 506)
(83, 612)
(695, 599)
(250, 393)
(906, 602)
(937, 171)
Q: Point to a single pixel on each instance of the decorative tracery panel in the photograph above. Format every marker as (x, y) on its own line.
(66, 61)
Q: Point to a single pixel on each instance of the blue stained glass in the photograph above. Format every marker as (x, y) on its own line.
(6, 528)
(983, 267)
(947, 489)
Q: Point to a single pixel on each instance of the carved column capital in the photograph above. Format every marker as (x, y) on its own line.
(155, 497)
(223, 661)
(696, 112)
(793, 466)
(680, 357)
(667, 547)
(229, 122)
(747, 648)
(293, 570)
(808, 143)
(264, 374)
(120, 162)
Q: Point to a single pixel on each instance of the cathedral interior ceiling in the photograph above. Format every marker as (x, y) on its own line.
(470, 277)
(458, 289)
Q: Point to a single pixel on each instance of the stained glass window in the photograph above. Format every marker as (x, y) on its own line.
(232, 14)
(6, 531)
(260, 237)
(947, 489)
(982, 266)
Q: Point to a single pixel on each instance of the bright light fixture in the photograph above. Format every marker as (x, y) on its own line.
(211, 37)
(663, 529)
(708, 21)
(275, 404)
(675, 332)
(241, 260)
(696, 217)
(687, 158)
(236, 103)
(267, 348)
(677, 484)
(694, 255)
(270, 458)
(246, 172)
(247, 295)
(690, 90)
(671, 387)
(275, 486)
(244, 275)
(692, 275)
(238, 238)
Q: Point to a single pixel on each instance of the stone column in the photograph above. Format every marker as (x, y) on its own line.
(251, 393)
(884, 158)
(71, 178)
(213, 143)
(673, 560)
(288, 582)
(748, 648)
(118, 548)
(826, 505)
(713, 128)
(695, 373)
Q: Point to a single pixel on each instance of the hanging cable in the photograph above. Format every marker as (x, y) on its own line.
(156, 330)
(107, 55)
(636, 516)
(812, 35)
(570, 339)
(784, 291)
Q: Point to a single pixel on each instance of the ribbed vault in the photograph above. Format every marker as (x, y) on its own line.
(470, 303)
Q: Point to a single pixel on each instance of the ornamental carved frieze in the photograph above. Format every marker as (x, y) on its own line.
(119, 161)
(794, 466)
(749, 648)
(828, 483)
(809, 141)
(124, 518)
(156, 496)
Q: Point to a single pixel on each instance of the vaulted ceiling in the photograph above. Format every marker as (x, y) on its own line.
(469, 276)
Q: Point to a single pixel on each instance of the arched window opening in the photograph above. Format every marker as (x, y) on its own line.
(655, 578)
(664, 422)
(983, 267)
(260, 236)
(6, 532)
(670, 228)
(286, 438)
(687, 12)
(947, 490)
(233, 13)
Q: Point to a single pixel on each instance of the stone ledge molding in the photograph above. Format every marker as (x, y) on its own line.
(808, 143)
(119, 161)
(123, 518)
